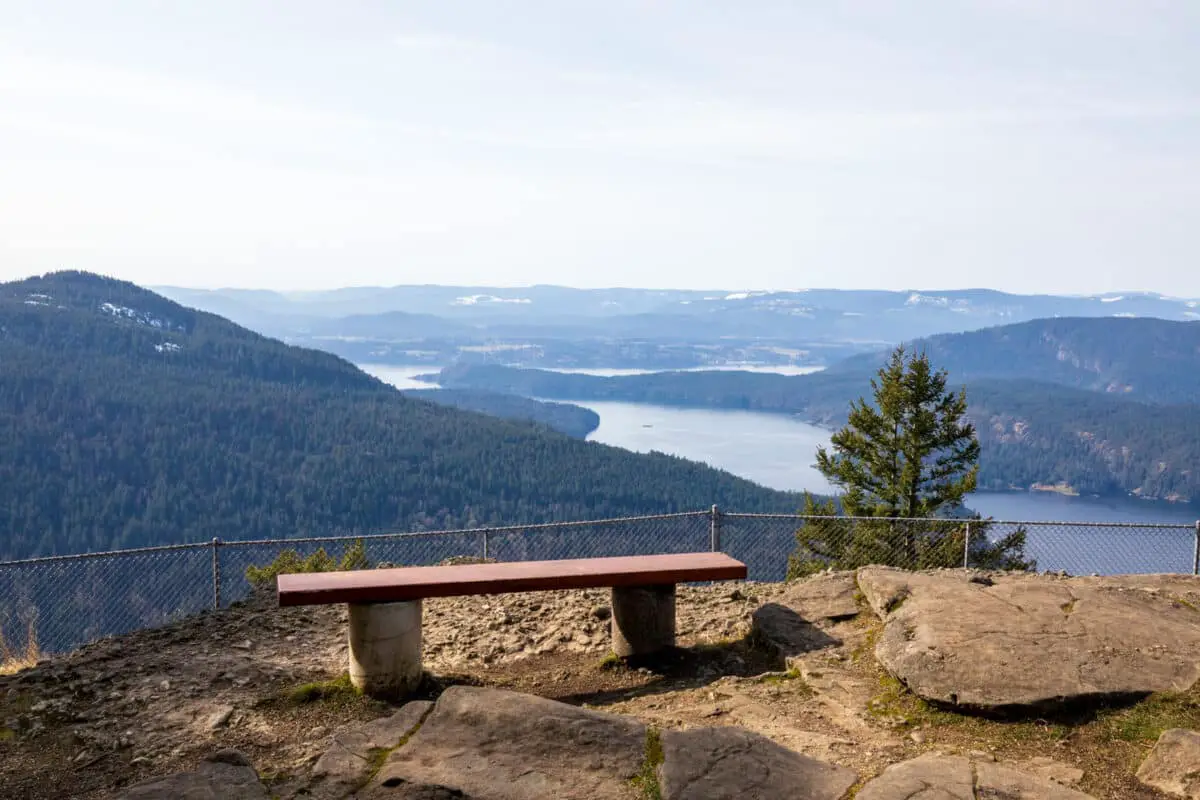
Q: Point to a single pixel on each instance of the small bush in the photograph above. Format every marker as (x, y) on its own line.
(289, 561)
(612, 661)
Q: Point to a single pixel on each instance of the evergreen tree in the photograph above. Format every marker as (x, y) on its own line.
(902, 460)
(910, 454)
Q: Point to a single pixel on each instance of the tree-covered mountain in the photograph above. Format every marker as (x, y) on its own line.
(1043, 433)
(1151, 360)
(126, 419)
(572, 420)
(1094, 404)
(821, 397)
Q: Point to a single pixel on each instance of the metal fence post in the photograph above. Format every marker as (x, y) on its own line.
(714, 530)
(1196, 551)
(967, 547)
(485, 545)
(216, 574)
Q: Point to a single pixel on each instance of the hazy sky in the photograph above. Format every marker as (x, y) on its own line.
(1028, 145)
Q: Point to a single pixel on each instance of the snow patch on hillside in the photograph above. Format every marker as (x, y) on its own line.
(741, 296)
(484, 299)
(133, 315)
(918, 299)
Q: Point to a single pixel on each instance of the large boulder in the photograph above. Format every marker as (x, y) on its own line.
(1002, 641)
(719, 763)
(942, 777)
(1173, 766)
(498, 745)
(795, 621)
(828, 597)
(224, 775)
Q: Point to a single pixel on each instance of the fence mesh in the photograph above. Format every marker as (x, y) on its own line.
(64, 603)
(775, 547)
(59, 604)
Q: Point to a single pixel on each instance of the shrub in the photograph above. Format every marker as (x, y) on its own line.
(289, 561)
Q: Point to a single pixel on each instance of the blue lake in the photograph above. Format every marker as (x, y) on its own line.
(778, 451)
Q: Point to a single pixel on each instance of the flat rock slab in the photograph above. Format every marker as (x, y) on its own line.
(1006, 640)
(1173, 766)
(823, 598)
(793, 623)
(347, 763)
(720, 763)
(491, 744)
(224, 775)
(941, 777)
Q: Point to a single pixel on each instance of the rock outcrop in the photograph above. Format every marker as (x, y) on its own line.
(941, 777)
(1173, 766)
(796, 620)
(492, 744)
(224, 775)
(1011, 640)
(823, 598)
(720, 763)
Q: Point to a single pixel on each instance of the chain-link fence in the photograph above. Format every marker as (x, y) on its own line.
(775, 547)
(53, 605)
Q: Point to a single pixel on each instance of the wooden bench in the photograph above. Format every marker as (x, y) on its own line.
(385, 604)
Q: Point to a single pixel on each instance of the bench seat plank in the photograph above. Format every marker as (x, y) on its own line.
(412, 583)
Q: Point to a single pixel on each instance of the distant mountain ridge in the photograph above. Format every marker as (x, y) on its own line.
(564, 303)
(129, 420)
(804, 326)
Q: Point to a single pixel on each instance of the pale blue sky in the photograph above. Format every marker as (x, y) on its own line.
(1027, 145)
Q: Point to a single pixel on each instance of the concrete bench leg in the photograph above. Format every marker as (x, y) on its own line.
(385, 648)
(643, 619)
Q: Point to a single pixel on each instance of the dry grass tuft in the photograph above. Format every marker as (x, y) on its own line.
(14, 660)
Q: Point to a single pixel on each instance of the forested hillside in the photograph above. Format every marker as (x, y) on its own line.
(1034, 432)
(1152, 360)
(126, 420)
(821, 397)
(563, 417)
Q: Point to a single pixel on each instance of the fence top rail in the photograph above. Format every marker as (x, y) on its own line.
(571, 524)
(361, 536)
(1187, 526)
(495, 529)
(132, 551)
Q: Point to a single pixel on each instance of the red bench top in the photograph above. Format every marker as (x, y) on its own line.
(412, 583)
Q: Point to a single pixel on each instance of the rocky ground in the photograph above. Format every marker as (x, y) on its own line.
(1034, 680)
